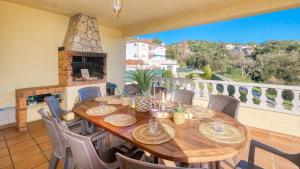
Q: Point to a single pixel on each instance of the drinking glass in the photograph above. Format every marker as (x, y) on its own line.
(102, 107)
(218, 125)
(153, 125)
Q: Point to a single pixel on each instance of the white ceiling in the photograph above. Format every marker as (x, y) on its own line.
(133, 12)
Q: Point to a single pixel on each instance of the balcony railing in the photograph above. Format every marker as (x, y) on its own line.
(279, 98)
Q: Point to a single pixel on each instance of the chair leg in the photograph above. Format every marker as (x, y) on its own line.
(53, 162)
(68, 161)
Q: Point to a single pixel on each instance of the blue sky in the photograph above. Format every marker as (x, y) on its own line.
(282, 25)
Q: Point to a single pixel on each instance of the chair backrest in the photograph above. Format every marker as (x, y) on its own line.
(294, 158)
(183, 96)
(88, 93)
(132, 89)
(84, 153)
(159, 91)
(54, 107)
(129, 163)
(55, 135)
(225, 104)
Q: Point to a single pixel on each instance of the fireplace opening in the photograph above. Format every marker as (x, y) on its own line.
(94, 66)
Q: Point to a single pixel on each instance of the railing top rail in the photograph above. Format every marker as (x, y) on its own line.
(283, 87)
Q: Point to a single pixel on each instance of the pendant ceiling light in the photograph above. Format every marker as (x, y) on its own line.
(117, 6)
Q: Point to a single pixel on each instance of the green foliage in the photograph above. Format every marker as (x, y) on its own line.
(207, 53)
(143, 78)
(157, 41)
(207, 72)
(192, 75)
(167, 74)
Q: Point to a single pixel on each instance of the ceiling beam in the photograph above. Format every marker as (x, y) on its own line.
(238, 9)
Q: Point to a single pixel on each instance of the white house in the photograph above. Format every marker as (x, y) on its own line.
(144, 51)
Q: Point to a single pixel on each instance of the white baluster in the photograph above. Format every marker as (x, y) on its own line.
(214, 90)
(196, 90)
(177, 84)
(205, 91)
(249, 96)
(225, 92)
(237, 92)
(279, 99)
(296, 102)
(263, 98)
(188, 86)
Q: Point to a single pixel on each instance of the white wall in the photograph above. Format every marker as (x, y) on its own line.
(29, 39)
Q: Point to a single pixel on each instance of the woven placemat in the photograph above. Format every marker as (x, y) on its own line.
(163, 134)
(120, 120)
(96, 111)
(229, 135)
(109, 99)
(199, 112)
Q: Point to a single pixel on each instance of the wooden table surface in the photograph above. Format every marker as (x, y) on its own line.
(187, 146)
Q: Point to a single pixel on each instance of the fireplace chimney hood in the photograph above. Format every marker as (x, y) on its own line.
(82, 35)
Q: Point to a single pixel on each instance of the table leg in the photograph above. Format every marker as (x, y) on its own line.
(155, 160)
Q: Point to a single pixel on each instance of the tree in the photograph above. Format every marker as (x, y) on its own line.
(247, 65)
(207, 72)
(157, 41)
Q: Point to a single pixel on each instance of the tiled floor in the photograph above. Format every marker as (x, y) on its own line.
(32, 149)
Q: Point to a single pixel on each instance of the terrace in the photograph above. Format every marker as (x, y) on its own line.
(32, 32)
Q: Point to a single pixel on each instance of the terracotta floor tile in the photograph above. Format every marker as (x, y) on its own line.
(263, 159)
(45, 146)
(285, 147)
(4, 152)
(31, 162)
(26, 153)
(281, 139)
(48, 154)
(21, 146)
(42, 166)
(12, 132)
(41, 139)
(8, 167)
(18, 139)
(5, 161)
(283, 163)
(38, 133)
(260, 135)
(2, 144)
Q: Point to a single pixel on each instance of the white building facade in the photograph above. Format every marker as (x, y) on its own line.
(150, 54)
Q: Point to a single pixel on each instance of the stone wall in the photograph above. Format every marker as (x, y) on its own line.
(83, 35)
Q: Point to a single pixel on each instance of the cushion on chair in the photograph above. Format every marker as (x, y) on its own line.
(246, 165)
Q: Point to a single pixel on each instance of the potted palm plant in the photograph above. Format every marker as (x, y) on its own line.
(143, 79)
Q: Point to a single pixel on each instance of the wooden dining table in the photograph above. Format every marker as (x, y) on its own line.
(187, 146)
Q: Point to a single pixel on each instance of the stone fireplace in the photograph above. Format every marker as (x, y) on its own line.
(82, 52)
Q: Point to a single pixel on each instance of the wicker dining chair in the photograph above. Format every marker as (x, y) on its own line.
(85, 94)
(88, 93)
(86, 156)
(294, 158)
(225, 104)
(60, 148)
(57, 112)
(132, 89)
(182, 96)
(159, 91)
(129, 163)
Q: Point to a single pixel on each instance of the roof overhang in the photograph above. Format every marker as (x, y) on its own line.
(147, 16)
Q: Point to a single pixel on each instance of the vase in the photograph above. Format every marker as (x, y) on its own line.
(124, 101)
(179, 118)
(142, 103)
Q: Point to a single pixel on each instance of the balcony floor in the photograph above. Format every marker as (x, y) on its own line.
(32, 149)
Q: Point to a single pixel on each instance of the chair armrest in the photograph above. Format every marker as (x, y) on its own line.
(74, 122)
(97, 135)
(255, 144)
